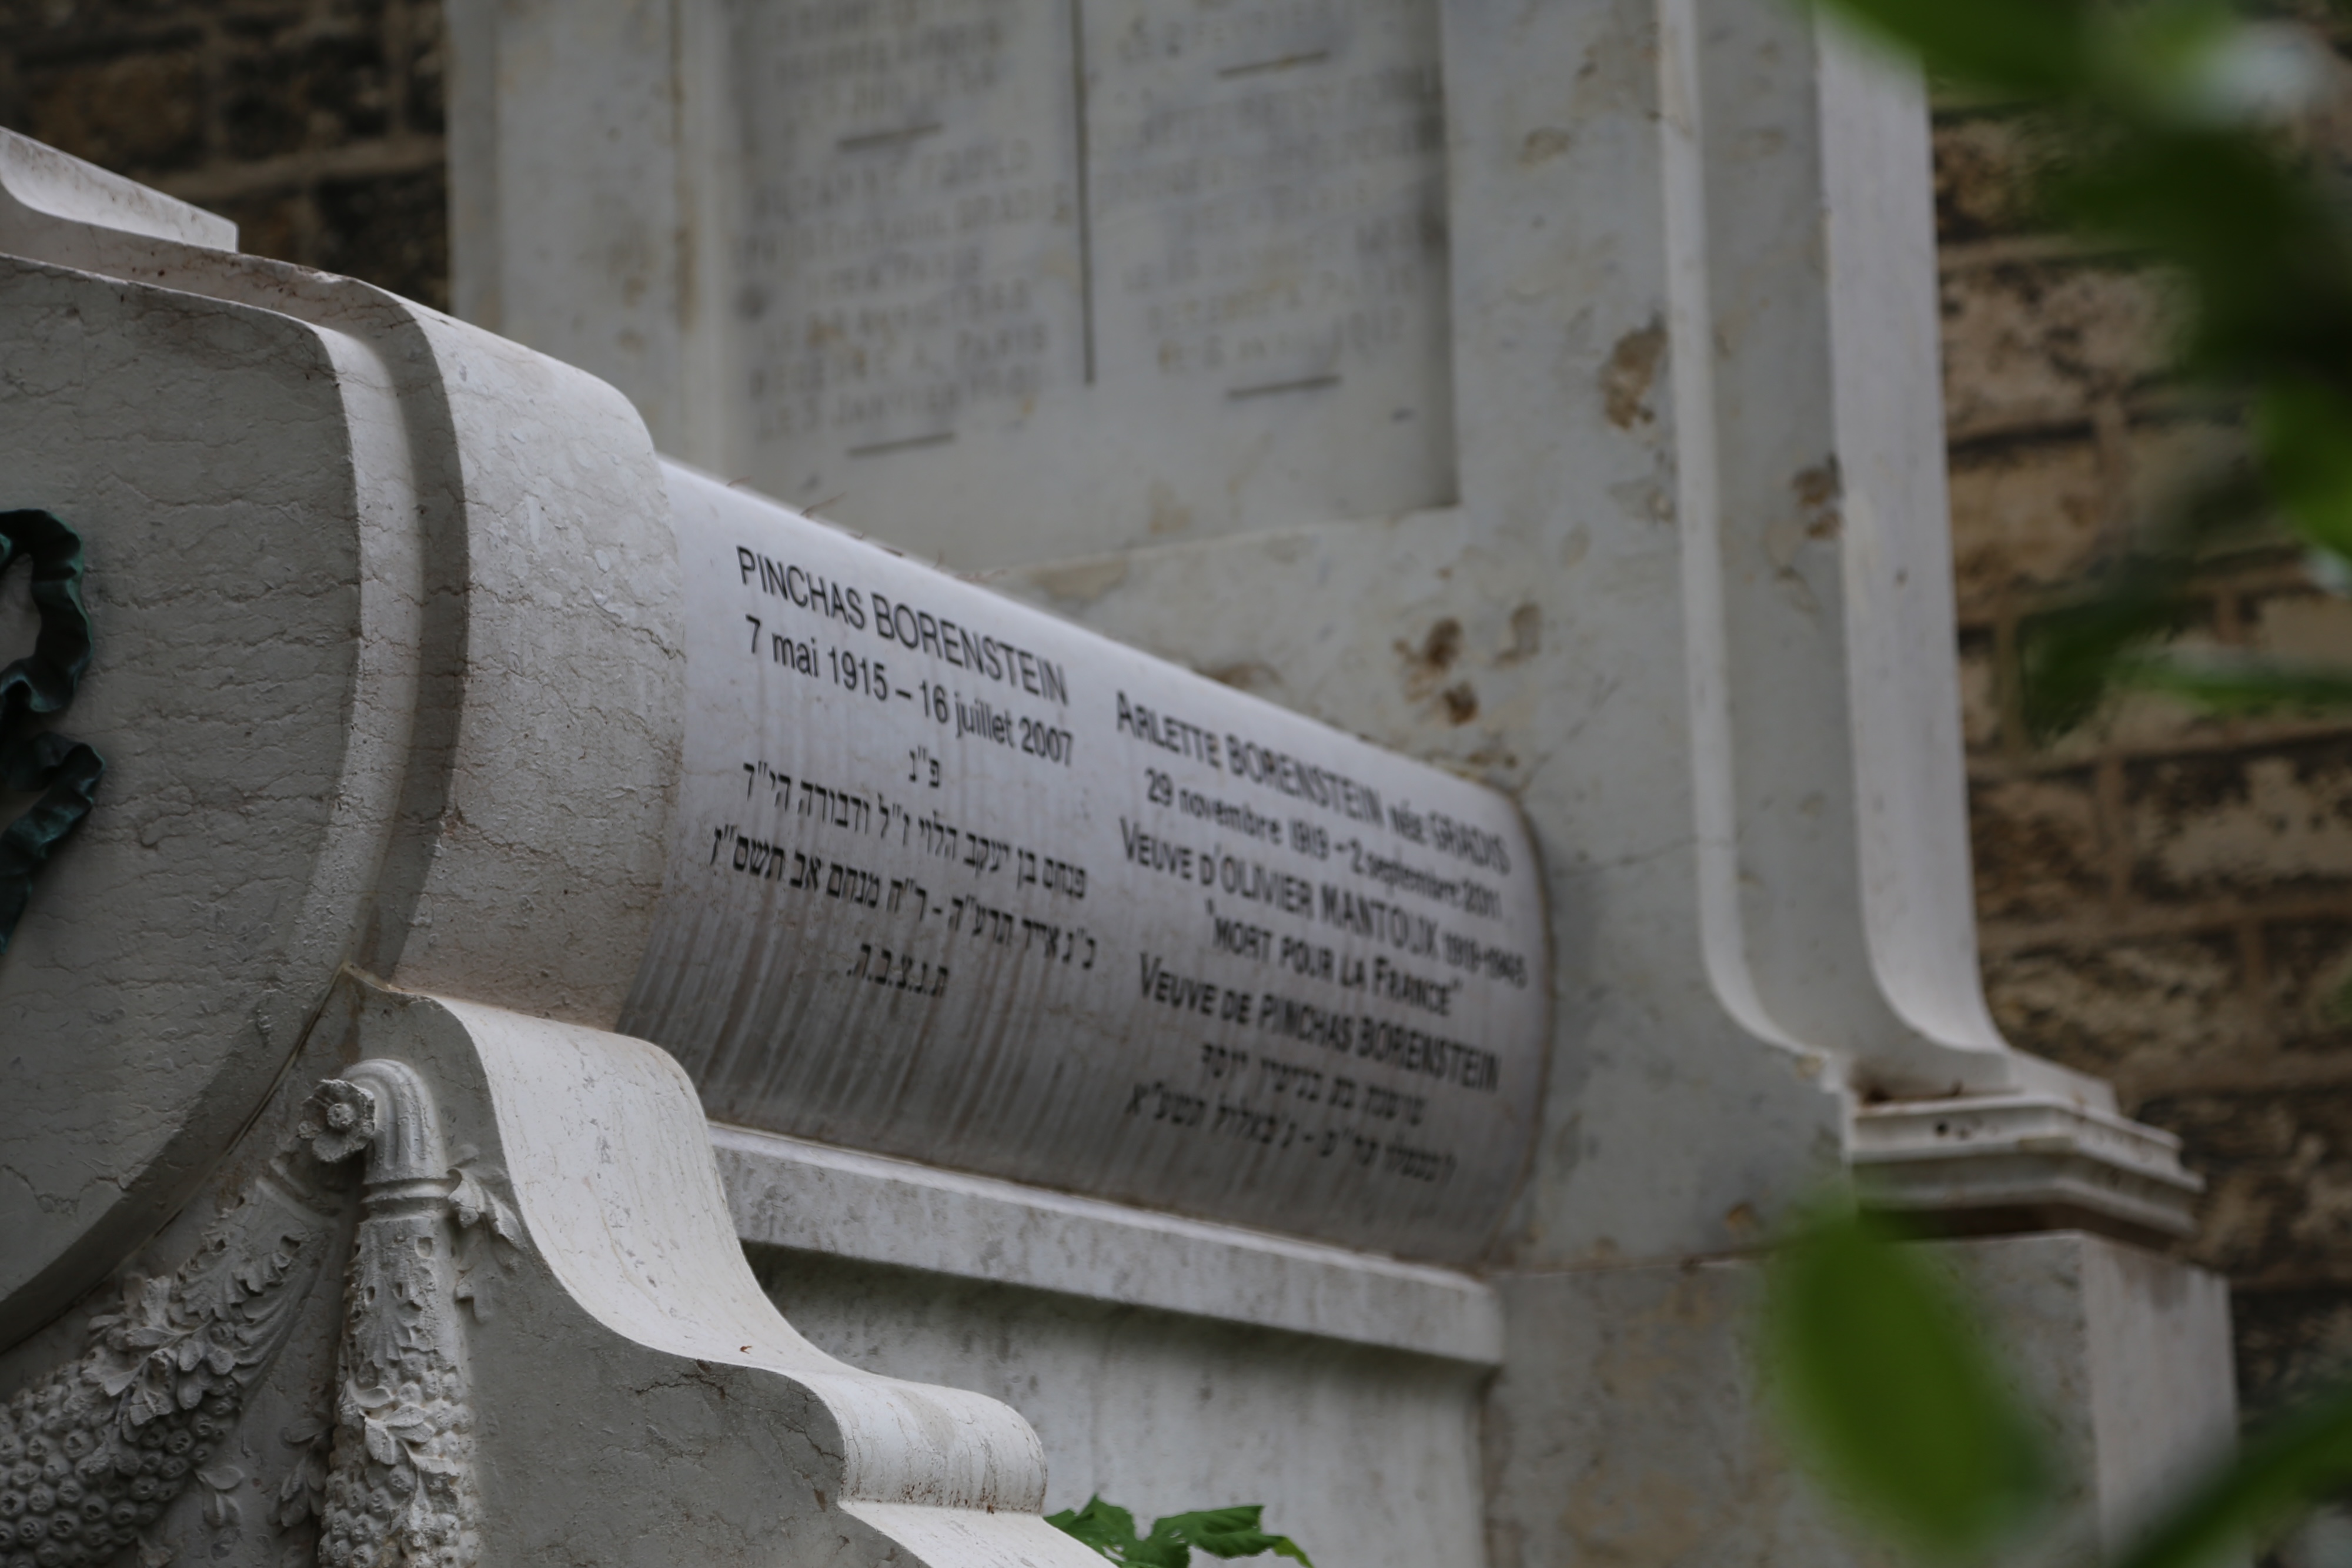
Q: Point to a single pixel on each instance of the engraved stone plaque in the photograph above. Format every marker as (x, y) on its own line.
(1019, 279)
(954, 880)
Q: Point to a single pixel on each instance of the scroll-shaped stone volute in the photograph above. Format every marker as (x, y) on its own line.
(400, 1485)
(617, 1385)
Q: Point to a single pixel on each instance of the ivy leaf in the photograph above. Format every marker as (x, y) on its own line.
(1219, 1532)
(1228, 1532)
(1106, 1527)
(1893, 1398)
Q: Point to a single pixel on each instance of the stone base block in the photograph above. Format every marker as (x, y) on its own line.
(1627, 1423)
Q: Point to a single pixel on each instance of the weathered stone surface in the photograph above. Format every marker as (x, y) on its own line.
(1984, 166)
(2038, 841)
(2281, 1177)
(2310, 974)
(813, 1199)
(365, 685)
(1204, 953)
(546, 1344)
(2027, 512)
(1198, 255)
(2121, 1351)
(2203, 826)
(2134, 1009)
(2027, 345)
(1094, 922)
(279, 116)
(2293, 1343)
(1361, 1455)
(138, 110)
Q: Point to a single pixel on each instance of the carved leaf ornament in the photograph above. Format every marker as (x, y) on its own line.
(397, 1488)
(65, 771)
(92, 1454)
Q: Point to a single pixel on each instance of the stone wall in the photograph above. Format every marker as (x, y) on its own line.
(2166, 900)
(314, 124)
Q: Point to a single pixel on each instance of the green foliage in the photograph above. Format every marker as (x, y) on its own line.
(1903, 1413)
(2167, 121)
(1219, 1532)
(1895, 1401)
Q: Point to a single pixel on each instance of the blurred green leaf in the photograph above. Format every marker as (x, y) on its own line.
(1894, 1400)
(2036, 49)
(2070, 658)
(2278, 1473)
(2228, 681)
(2303, 429)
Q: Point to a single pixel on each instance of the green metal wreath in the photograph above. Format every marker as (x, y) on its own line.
(64, 770)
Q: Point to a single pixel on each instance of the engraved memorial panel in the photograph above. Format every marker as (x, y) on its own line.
(952, 878)
(1120, 270)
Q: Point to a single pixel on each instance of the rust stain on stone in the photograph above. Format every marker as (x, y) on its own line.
(1625, 381)
(1543, 143)
(1527, 636)
(1818, 490)
(1249, 675)
(1425, 667)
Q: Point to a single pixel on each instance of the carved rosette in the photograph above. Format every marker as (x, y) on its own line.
(400, 1487)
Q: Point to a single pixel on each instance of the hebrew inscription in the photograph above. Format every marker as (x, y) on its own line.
(958, 880)
(1193, 254)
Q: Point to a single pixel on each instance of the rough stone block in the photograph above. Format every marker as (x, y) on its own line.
(2124, 1006)
(2303, 624)
(2203, 826)
(2292, 1340)
(2279, 1162)
(2028, 346)
(1985, 166)
(2309, 967)
(2167, 460)
(425, 61)
(1632, 1426)
(2039, 847)
(2025, 511)
(138, 110)
(391, 230)
(1981, 722)
(314, 84)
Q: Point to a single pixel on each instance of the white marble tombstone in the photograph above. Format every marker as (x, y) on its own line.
(446, 728)
(1656, 543)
